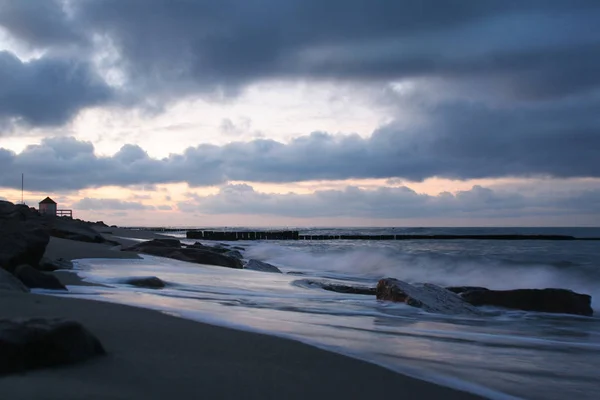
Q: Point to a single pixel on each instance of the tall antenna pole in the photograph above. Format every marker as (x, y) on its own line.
(22, 186)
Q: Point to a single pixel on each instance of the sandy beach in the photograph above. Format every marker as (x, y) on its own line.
(152, 355)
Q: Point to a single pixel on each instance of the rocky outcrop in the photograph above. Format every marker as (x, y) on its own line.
(335, 287)
(32, 278)
(542, 300)
(234, 254)
(67, 228)
(214, 249)
(47, 264)
(151, 282)
(462, 289)
(193, 254)
(44, 342)
(24, 236)
(429, 297)
(9, 282)
(255, 265)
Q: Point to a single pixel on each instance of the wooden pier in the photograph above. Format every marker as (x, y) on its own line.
(295, 235)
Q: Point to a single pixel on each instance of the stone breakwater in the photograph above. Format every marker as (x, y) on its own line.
(295, 235)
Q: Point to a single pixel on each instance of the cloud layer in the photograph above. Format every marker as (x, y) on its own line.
(162, 50)
(395, 203)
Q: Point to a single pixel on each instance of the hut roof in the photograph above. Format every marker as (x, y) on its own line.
(47, 200)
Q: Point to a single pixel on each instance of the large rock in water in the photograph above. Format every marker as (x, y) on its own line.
(190, 254)
(255, 265)
(150, 282)
(335, 287)
(9, 282)
(43, 342)
(23, 236)
(33, 278)
(429, 297)
(543, 300)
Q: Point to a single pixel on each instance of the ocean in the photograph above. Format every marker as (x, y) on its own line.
(502, 354)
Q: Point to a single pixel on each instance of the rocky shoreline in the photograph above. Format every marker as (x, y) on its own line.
(35, 252)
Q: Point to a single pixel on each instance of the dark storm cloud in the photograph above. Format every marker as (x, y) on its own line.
(539, 48)
(41, 24)
(47, 91)
(532, 50)
(394, 202)
(458, 141)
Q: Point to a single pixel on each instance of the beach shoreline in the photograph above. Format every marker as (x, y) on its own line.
(152, 355)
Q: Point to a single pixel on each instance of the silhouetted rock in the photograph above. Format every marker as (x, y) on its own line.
(214, 249)
(74, 229)
(542, 300)
(44, 342)
(429, 297)
(462, 289)
(32, 278)
(9, 282)
(193, 254)
(255, 265)
(151, 282)
(47, 264)
(23, 236)
(336, 287)
(234, 254)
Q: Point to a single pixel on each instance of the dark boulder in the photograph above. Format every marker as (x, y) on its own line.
(255, 265)
(32, 278)
(429, 297)
(154, 244)
(190, 254)
(214, 249)
(336, 287)
(151, 282)
(462, 289)
(44, 342)
(234, 254)
(50, 265)
(11, 283)
(73, 229)
(23, 236)
(542, 300)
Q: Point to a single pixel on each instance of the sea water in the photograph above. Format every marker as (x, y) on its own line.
(501, 354)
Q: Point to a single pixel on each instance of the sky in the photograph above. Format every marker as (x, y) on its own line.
(303, 112)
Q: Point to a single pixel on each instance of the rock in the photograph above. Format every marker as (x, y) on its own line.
(336, 287)
(44, 342)
(32, 278)
(164, 242)
(429, 297)
(151, 282)
(23, 236)
(9, 282)
(255, 265)
(234, 254)
(155, 244)
(543, 300)
(72, 229)
(462, 289)
(194, 254)
(47, 264)
(215, 249)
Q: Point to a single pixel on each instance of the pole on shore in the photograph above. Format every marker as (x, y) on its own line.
(22, 186)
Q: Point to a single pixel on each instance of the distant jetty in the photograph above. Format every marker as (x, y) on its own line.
(295, 235)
